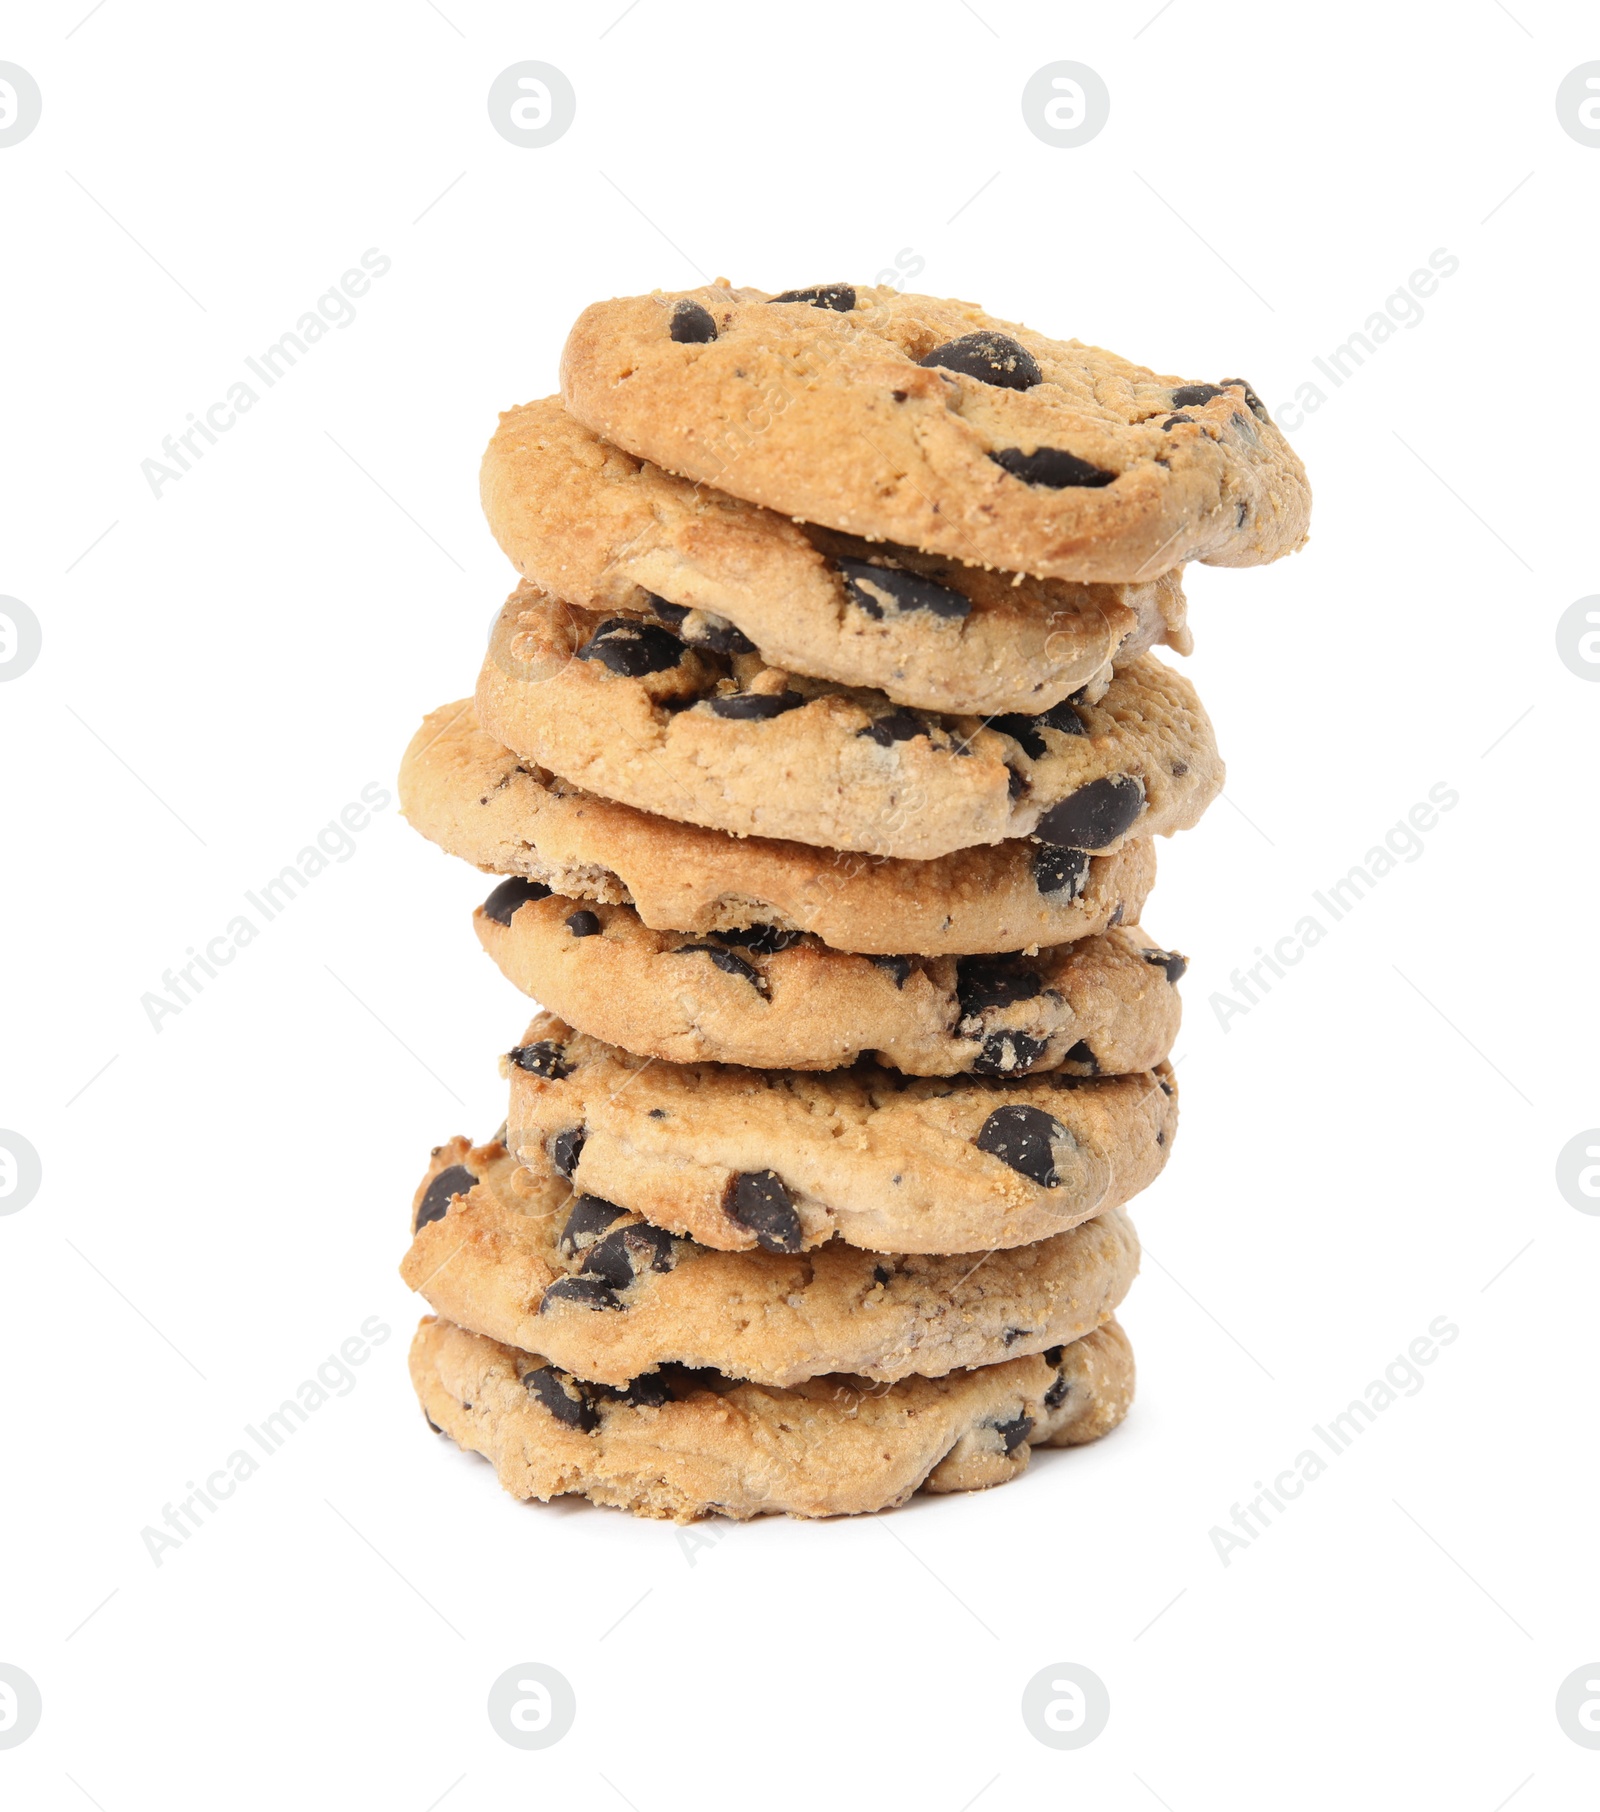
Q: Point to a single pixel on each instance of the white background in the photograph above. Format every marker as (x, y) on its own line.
(1369, 1148)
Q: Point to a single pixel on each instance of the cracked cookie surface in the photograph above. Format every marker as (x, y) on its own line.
(929, 423)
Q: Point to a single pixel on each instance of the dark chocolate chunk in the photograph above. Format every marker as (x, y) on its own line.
(1190, 395)
(898, 966)
(897, 726)
(756, 704)
(881, 1274)
(1172, 421)
(431, 1423)
(1179, 769)
(562, 1395)
(759, 1200)
(565, 1147)
(728, 963)
(725, 638)
(587, 1219)
(1020, 1136)
(584, 924)
(1095, 815)
(692, 324)
(1161, 1138)
(1017, 783)
(1052, 467)
(1057, 870)
(840, 297)
(586, 1292)
(541, 1059)
(765, 940)
(991, 981)
(993, 358)
(1081, 1053)
(1008, 1054)
(1014, 1433)
(1025, 729)
(619, 1257)
(631, 648)
(1165, 1086)
(1169, 960)
(502, 904)
(435, 1204)
(1056, 1395)
(874, 589)
(648, 1392)
(669, 613)
(1257, 408)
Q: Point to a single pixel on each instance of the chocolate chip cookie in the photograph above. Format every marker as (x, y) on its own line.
(780, 999)
(928, 423)
(509, 1251)
(682, 1444)
(589, 522)
(475, 799)
(785, 1159)
(624, 707)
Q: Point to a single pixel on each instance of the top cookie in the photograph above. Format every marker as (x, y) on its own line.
(926, 422)
(610, 532)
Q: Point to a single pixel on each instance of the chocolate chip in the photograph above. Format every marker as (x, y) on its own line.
(1179, 769)
(765, 940)
(648, 1392)
(1164, 1085)
(1026, 729)
(1169, 960)
(1172, 421)
(899, 395)
(759, 1200)
(1257, 408)
(1052, 467)
(502, 904)
(1095, 815)
(1057, 1393)
(631, 648)
(587, 1219)
(692, 324)
(749, 705)
(584, 924)
(541, 1059)
(619, 1257)
(881, 1274)
(1081, 1053)
(1017, 783)
(897, 726)
(1187, 395)
(435, 1204)
(898, 966)
(840, 297)
(1020, 1136)
(1014, 1433)
(657, 1113)
(431, 1423)
(1116, 917)
(586, 1292)
(728, 963)
(1057, 870)
(725, 638)
(562, 1396)
(876, 589)
(983, 982)
(992, 358)
(565, 1147)
(1240, 514)
(1161, 1138)
(1008, 1054)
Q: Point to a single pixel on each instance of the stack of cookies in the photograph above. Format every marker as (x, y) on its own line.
(823, 750)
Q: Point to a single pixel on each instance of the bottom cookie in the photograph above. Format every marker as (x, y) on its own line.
(684, 1444)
